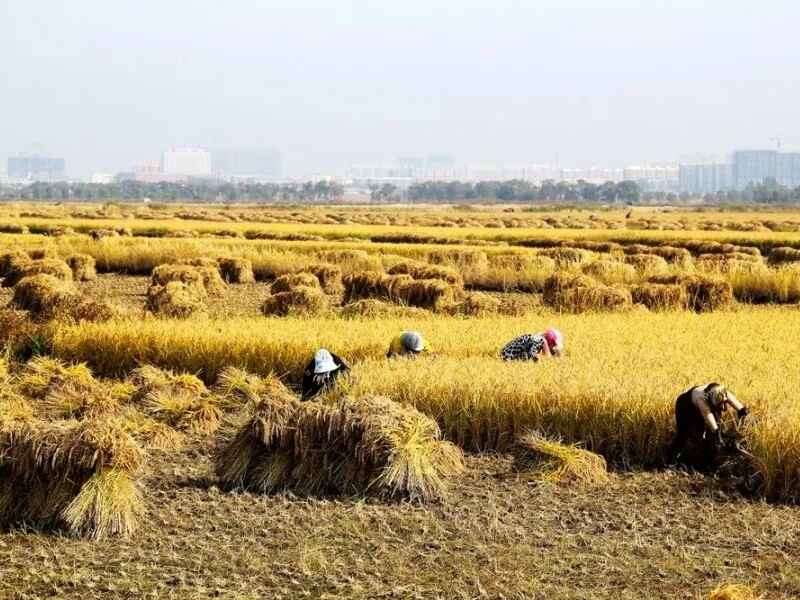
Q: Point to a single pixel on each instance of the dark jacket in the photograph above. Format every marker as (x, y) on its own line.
(315, 384)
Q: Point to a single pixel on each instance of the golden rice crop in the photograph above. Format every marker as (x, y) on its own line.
(372, 308)
(83, 267)
(566, 292)
(299, 300)
(704, 293)
(733, 591)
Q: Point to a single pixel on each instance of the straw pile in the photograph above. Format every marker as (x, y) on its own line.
(44, 296)
(523, 262)
(730, 263)
(372, 284)
(562, 464)
(475, 304)
(679, 257)
(286, 283)
(703, 293)
(300, 300)
(648, 264)
(368, 446)
(77, 475)
(426, 271)
(206, 278)
(733, 591)
(99, 234)
(433, 294)
(181, 401)
(83, 267)
(11, 261)
(372, 308)
(566, 257)
(784, 254)
(18, 270)
(40, 253)
(658, 297)
(176, 299)
(469, 259)
(567, 292)
(329, 277)
(236, 270)
(609, 269)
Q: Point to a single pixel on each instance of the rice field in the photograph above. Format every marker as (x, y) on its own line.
(153, 356)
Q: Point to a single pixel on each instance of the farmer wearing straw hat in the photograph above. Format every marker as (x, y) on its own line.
(321, 373)
(408, 344)
(698, 414)
(531, 346)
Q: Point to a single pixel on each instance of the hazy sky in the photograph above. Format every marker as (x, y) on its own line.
(107, 83)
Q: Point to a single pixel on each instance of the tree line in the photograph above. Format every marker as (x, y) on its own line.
(519, 190)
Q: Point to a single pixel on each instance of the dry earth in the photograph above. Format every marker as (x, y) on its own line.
(653, 535)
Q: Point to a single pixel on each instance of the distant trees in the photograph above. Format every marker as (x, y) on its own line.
(518, 190)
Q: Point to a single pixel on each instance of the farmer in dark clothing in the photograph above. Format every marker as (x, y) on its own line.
(321, 373)
(698, 414)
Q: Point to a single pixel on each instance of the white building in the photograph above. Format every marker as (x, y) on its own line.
(191, 162)
(103, 178)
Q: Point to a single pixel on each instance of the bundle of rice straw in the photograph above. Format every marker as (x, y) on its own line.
(236, 270)
(475, 304)
(44, 295)
(433, 294)
(730, 263)
(83, 267)
(368, 446)
(301, 300)
(99, 234)
(659, 297)
(149, 432)
(179, 400)
(286, 283)
(567, 292)
(14, 409)
(12, 261)
(372, 284)
(472, 259)
(703, 293)
(609, 269)
(566, 257)
(563, 464)
(523, 262)
(237, 386)
(40, 253)
(733, 591)
(373, 308)
(426, 271)
(79, 475)
(649, 264)
(18, 270)
(206, 278)
(329, 277)
(781, 254)
(176, 299)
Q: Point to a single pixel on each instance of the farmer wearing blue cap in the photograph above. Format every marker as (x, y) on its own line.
(408, 343)
(321, 373)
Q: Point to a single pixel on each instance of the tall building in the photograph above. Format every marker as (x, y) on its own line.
(757, 166)
(705, 178)
(191, 162)
(247, 162)
(38, 168)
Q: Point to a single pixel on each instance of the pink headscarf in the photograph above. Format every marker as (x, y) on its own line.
(554, 339)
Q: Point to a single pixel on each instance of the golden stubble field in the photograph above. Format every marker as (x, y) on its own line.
(649, 305)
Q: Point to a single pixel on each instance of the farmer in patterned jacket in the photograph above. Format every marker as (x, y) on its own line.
(531, 346)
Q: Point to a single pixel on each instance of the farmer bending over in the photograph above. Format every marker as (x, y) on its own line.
(698, 413)
(321, 373)
(408, 344)
(531, 346)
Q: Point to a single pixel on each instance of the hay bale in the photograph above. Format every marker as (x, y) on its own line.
(42, 253)
(93, 311)
(733, 591)
(301, 300)
(560, 281)
(658, 297)
(99, 234)
(77, 475)
(45, 266)
(469, 259)
(176, 299)
(562, 464)
(286, 283)
(147, 379)
(83, 267)
(44, 296)
(566, 257)
(329, 277)
(205, 277)
(678, 257)
(369, 446)
(727, 263)
(372, 309)
(236, 270)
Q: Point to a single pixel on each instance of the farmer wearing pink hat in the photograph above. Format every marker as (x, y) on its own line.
(531, 346)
